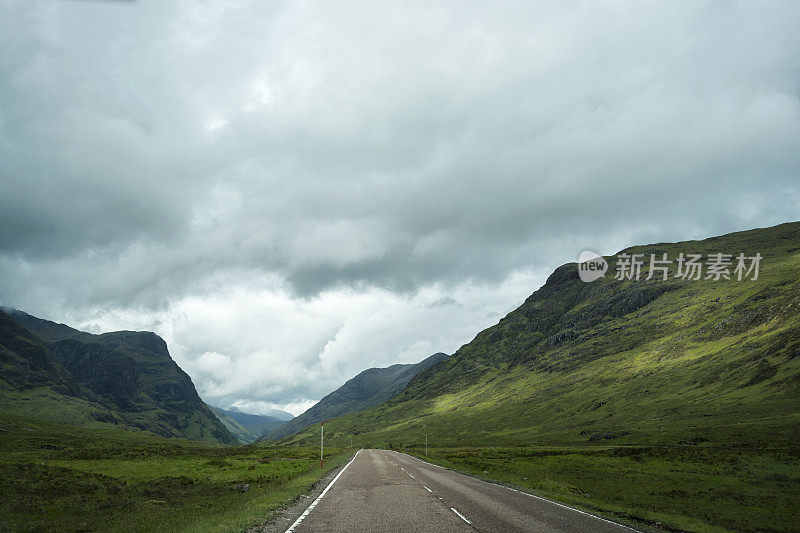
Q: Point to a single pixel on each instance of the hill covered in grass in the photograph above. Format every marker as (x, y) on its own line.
(619, 361)
(122, 378)
(369, 388)
(246, 427)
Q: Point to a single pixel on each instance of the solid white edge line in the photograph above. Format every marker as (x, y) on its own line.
(464, 518)
(528, 494)
(315, 502)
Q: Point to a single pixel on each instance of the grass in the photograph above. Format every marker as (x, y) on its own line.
(55, 477)
(696, 488)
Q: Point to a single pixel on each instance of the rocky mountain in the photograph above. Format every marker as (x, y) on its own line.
(369, 388)
(660, 361)
(245, 426)
(27, 362)
(122, 378)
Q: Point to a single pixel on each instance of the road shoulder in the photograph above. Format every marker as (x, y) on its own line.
(285, 516)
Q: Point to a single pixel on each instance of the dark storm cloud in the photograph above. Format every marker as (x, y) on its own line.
(156, 153)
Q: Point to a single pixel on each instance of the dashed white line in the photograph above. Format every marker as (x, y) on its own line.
(426, 488)
(531, 495)
(315, 502)
(464, 518)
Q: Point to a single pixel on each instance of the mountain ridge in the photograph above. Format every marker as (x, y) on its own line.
(628, 361)
(368, 388)
(277, 414)
(122, 378)
(246, 427)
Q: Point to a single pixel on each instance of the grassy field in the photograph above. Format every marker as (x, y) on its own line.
(691, 487)
(59, 478)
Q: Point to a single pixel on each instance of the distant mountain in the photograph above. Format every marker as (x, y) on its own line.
(123, 378)
(272, 413)
(654, 361)
(369, 388)
(245, 426)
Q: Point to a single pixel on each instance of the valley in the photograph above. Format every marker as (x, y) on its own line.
(662, 404)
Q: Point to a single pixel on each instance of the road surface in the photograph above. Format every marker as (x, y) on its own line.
(381, 490)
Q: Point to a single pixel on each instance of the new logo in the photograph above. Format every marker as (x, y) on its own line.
(591, 266)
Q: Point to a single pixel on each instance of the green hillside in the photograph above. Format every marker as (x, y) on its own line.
(623, 362)
(672, 404)
(369, 388)
(123, 378)
(246, 427)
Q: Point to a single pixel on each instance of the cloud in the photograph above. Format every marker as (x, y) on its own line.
(257, 345)
(276, 186)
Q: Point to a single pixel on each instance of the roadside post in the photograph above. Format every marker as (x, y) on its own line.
(321, 440)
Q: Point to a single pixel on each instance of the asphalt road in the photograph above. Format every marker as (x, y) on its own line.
(381, 490)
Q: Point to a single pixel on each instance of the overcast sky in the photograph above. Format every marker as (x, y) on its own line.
(291, 192)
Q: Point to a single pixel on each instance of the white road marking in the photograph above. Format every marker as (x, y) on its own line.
(464, 518)
(531, 495)
(426, 488)
(315, 502)
(564, 506)
(412, 477)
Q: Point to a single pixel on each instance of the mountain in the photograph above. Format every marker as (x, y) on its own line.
(369, 388)
(27, 363)
(277, 414)
(619, 361)
(245, 426)
(122, 378)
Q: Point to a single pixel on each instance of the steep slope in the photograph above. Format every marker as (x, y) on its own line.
(27, 363)
(123, 378)
(369, 388)
(620, 360)
(245, 426)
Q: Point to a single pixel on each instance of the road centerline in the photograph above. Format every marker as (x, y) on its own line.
(464, 518)
(494, 509)
(372, 496)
